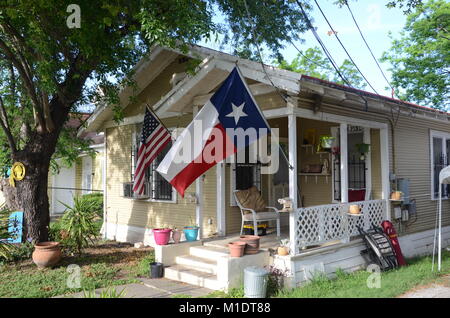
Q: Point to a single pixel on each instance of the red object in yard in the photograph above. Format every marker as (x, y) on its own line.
(389, 229)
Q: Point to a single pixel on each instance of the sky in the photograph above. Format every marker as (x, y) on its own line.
(375, 21)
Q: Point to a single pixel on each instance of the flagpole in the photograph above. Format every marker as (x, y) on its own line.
(262, 115)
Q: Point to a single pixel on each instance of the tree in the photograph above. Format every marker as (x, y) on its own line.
(420, 58)
(313, 63)
(54, 55)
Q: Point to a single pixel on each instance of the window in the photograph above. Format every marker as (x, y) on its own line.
(156, 187)
(244, 175)
(440, 154)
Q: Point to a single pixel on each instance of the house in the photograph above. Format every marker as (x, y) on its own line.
(84, 176)
(409, 144)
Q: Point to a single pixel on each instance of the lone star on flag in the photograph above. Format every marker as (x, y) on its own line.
(238, 112)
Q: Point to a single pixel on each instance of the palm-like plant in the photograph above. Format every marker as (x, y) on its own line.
(6, 249)
(78, 224)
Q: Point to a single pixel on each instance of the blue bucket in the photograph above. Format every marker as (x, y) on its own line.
(191, 233)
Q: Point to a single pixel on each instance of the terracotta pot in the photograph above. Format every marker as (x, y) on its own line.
(283, 250)
(354, 209)
(176, 236)
(396, 195)
(46, 254)
(237, 248)
(252, 242)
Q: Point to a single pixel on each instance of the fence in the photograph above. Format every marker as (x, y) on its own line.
(320, 224)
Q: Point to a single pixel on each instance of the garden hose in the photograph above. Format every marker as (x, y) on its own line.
(17, 173)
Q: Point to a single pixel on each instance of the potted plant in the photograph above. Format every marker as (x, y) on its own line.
(176, 235)
(283, 249)
(363, 149)
(46, 254)
(191, 231)
(354, 209)
(236, 248)
(326, 142)
(396, 195)
(162, 235)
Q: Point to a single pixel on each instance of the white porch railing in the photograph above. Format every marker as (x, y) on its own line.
(320, 224)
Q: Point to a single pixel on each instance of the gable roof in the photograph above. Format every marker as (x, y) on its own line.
(212, 70)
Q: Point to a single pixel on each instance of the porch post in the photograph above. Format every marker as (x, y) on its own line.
(220, 184)
(199, 196)
(293, 187)
(384, 152)
(344, 163)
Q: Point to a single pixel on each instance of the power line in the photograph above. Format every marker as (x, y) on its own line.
(368, 47)
(342, 45)
(324, 48)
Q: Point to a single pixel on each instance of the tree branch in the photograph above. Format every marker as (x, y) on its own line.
(5, 126)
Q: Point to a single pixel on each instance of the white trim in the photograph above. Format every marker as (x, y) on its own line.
(384, 155)
(368, 160)
(199, 195)
(334, 133)
(220, 194)
(105, 193)
(444, 136)
(293, 182)
(344, 162)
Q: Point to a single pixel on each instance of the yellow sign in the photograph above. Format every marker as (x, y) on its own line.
(17, 173)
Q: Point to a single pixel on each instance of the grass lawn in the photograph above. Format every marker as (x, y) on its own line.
(106, 264)
(393, 283)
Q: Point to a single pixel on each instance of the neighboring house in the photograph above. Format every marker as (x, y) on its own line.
(84, 176)
(409, 144)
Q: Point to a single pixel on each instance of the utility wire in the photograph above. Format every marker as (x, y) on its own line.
(324, 48)
(342, 45)
(368, 47)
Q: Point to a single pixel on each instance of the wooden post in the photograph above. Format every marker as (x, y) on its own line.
(344, 163)
(199, 196)
(293, 185)
(220, 184)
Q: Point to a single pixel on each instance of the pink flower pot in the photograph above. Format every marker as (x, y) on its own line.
(161, 236)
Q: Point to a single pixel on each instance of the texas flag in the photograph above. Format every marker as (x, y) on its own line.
(228, 122)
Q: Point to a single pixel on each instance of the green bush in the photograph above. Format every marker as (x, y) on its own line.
(97, 202)
(77, 228)
(6, 249)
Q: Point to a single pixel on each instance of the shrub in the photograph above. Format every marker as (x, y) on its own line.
(97, 202)
(77, 228)
(6, 249)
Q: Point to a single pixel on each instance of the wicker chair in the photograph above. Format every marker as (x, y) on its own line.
(257, 217)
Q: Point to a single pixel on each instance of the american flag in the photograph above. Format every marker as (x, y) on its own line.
(154, 137)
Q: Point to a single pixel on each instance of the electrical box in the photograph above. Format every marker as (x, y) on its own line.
(403, 186)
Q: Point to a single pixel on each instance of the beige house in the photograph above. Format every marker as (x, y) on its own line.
(409, 144)
(84, 176)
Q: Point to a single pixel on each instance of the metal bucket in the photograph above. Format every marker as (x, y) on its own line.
(255, 282)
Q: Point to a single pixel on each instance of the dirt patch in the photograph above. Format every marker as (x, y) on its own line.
(442, 282)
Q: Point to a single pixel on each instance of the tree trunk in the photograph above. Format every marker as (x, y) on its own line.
(10, 194)
(32, 190)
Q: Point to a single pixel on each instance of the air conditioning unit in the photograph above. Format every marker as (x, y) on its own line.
(127, 191)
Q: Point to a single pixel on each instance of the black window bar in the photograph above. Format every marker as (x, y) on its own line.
(161, 188)
(440, 162)
(356, 172)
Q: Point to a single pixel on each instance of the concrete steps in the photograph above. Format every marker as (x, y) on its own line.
(200, 264)
(199, 267)
(192, 276)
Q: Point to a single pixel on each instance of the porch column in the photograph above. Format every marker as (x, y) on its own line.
(293, 187)
(199, 196)
(220, 184)
(344, 163)
(384, 154)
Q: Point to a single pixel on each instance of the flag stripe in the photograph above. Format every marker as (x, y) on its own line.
(154, 137)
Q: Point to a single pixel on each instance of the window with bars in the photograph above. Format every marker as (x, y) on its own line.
(440, 154)
(157, 188)
(245, 174)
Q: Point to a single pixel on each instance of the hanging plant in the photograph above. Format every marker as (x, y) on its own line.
(363, 149)
(326, 141)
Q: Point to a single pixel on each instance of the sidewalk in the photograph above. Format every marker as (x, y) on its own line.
(152, 288)
(441, 290)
